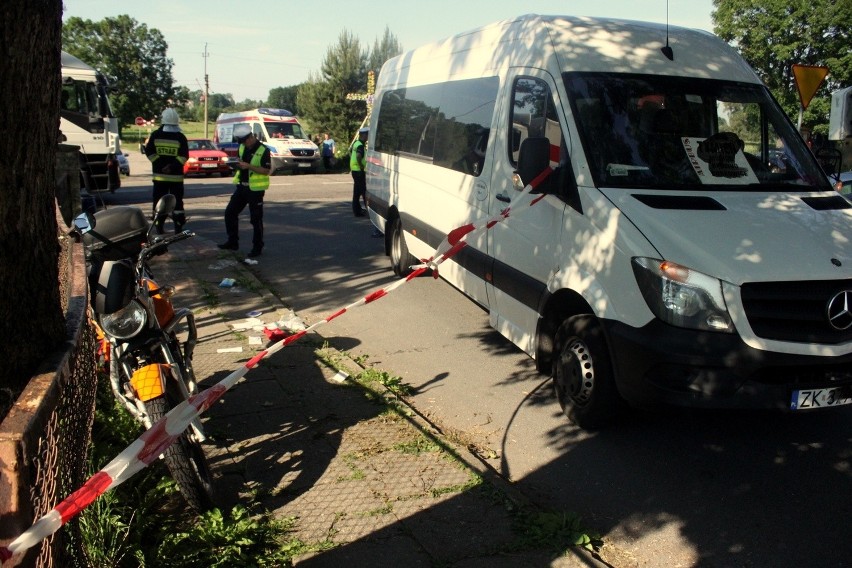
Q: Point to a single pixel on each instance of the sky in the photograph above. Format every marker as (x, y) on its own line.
(253, 47)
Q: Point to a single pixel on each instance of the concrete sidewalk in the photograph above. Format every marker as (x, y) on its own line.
(368, 481)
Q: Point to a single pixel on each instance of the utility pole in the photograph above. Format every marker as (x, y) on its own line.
(206, 91)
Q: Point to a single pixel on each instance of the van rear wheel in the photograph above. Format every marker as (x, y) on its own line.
(401, 259)
(582, 374)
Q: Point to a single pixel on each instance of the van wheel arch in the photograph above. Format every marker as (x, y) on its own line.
(555, 309)
(401, 259)
(393, 215)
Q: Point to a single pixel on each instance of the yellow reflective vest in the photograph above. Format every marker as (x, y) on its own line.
(257, 182)
(354, 165)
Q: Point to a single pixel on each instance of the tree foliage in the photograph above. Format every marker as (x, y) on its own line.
(132, 56)
(383, 50)
(772, 35)
(322, 99)
(284, 97)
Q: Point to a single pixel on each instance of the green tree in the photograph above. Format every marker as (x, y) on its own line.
(322, 99)
(772, 35)
(32, 325)
(383, 50)
(132, 56)
(284, 97)
(217, 104)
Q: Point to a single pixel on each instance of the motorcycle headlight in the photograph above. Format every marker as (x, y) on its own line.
(683, 297)
(126, 322)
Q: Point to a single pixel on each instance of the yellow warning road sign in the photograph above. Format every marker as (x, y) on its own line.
(808, 79)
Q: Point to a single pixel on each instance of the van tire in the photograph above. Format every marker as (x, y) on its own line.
(401, 259)
(582, 374)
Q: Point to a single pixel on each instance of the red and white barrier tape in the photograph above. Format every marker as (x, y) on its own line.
(160, 436)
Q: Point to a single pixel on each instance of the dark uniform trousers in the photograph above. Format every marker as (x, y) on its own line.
(241, 197)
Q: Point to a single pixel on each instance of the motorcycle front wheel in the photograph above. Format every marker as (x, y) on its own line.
(186, 462)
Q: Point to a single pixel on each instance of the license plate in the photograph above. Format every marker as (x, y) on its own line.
(208, 165)
(820, 398)
(304, 165)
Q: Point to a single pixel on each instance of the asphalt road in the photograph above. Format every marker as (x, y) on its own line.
(670, 489)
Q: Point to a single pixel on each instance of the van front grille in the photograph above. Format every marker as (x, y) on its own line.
(796, 311)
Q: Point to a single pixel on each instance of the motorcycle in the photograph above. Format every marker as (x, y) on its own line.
(150, 368)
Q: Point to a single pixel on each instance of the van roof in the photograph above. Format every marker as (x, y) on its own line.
(579, 44)
(258, 114)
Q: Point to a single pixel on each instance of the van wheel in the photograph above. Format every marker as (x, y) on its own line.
(401, 259)
(582, 374)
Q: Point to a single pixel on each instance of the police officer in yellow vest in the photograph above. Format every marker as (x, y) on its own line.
(252, 180)
(358, 167)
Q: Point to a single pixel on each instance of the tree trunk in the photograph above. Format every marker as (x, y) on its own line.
(31, 318)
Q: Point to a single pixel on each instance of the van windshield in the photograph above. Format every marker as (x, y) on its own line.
(648, 131)
(284, 130)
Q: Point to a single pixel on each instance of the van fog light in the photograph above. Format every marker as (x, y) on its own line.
(718, 322)
(681, 296)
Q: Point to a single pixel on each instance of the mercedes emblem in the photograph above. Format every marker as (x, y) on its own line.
(839, 314)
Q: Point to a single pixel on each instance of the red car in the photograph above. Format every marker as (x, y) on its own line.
(205, 158)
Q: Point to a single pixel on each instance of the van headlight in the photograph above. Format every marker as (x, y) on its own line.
(681, 296)
(126, 322)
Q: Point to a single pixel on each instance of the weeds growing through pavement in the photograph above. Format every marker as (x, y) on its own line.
(144, 522)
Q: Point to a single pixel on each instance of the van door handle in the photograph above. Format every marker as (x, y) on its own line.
(504, 197)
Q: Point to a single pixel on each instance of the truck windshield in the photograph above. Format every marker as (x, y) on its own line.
(644, 131)
(85, 104)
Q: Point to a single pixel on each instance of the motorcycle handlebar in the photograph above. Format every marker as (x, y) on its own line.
(151, 248)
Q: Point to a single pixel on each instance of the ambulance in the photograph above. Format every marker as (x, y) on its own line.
(290, 148)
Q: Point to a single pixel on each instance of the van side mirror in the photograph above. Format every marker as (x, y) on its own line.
(534, 157)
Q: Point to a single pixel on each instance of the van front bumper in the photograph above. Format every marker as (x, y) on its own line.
(282, 164)
(661, 364)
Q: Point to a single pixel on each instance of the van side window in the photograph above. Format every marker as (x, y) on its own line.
(533, 115)
(258, 132)
(446, 124)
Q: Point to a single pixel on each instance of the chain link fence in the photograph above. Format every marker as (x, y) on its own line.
(45, 437)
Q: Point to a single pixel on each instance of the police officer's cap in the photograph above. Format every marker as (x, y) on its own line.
(241, 132)
(365, 130)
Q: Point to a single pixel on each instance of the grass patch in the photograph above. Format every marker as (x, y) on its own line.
(351, 462)
(391, 382)
(554, 530)
(145, 522)
(419, 445)
(474, 481)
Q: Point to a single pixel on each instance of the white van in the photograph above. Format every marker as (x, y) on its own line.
(290, 148)
(668, 262)
(86, 120)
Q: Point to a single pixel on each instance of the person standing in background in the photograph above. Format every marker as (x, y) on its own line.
(328, 149)
(252, 180)
(168, 151)
(358, 167)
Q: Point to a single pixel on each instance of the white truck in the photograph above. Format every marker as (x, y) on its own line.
(86, 120)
